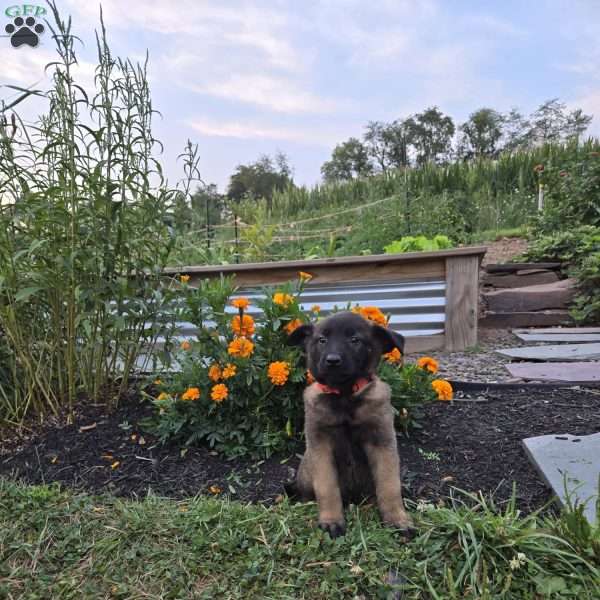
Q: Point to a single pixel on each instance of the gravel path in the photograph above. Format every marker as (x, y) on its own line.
(480, 363)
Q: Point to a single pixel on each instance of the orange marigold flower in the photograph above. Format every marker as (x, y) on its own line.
(163, 396)
(184, 278)
(371, 313)
(219, 392)
(242, 303)
(315, 308)
(214, 372)
(229, 371)
(214, 489)
(185, 345)
(192, 393)
(278, 372)
(442, 388)
(240, 347)
(428, 363)
(309, 378)
(292, 326)
(243, 326)
(283, 299)
(305, 276)
(394, 357)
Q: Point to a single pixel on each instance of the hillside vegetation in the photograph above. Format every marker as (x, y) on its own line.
(460, 200)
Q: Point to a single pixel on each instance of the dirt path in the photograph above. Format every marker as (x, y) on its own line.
(504, 250)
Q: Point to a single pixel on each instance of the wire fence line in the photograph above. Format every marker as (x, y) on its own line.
(293, 224)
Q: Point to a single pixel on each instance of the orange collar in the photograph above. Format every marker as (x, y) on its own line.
(359, 384)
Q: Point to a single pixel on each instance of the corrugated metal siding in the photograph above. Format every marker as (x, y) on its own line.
(415, 307)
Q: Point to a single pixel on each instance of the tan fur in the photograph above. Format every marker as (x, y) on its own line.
(369, 412)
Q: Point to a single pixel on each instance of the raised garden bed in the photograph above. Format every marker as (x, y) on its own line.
(431, 297)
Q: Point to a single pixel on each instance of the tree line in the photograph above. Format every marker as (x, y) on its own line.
(426, 137)
(432, 136)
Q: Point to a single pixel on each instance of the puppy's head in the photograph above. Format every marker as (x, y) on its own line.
(344, 347)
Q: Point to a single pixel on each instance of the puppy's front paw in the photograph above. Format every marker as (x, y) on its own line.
(400, 520)
(333, 528)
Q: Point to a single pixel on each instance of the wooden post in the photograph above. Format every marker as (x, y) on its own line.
(541, 198)
(462, 296)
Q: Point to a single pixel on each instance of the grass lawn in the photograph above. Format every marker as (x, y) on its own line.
(57, 544)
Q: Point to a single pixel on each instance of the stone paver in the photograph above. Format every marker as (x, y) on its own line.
(556, 371)
(572, 338)
(554, 353)
(571, 459)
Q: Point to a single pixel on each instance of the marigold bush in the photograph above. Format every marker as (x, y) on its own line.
(240, 386)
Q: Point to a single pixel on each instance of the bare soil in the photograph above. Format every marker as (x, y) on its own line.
(503, 250)
(473, 444)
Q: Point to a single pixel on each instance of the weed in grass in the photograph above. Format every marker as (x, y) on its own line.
(432, 456)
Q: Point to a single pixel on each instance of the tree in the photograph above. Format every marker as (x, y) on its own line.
(577, 123)
(481, 133)
(207, 206)
(514, 134)
(552, 123)
(349, 160)
(259, 179)
(430, 133)
(387, 144)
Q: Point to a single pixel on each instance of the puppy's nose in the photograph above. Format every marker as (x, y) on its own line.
(333, 360)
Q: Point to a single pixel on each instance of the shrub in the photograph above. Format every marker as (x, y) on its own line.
(240, 386)
(572, 195)
(568, 247)
(579, 251)
(586, 307)
(248, 380)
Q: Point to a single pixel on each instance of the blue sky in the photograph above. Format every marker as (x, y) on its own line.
(246, 78)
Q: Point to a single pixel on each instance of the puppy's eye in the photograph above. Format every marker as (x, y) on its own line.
(355, 340)
(322, 340)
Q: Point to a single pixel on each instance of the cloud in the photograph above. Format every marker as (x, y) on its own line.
(245, 52)
(25, 67)
(253, 131)
(488, 24)
(275, 93)
(193, 23)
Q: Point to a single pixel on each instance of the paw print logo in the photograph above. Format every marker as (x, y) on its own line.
(24, 31)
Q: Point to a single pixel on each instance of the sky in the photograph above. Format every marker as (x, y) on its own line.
(245, 78)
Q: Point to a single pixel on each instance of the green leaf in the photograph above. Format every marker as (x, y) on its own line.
(26, 293)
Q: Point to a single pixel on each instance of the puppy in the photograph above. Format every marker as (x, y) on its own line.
(351, 451)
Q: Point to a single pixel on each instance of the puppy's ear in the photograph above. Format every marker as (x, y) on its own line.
(388, 339)
(299, 336)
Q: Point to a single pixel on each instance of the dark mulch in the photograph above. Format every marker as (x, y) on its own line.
(470, 445)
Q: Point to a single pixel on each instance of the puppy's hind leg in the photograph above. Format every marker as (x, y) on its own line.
(302, 487)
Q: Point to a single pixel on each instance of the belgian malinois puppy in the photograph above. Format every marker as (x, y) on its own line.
(351, 451)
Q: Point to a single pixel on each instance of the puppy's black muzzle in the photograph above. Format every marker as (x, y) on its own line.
(333, 360)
